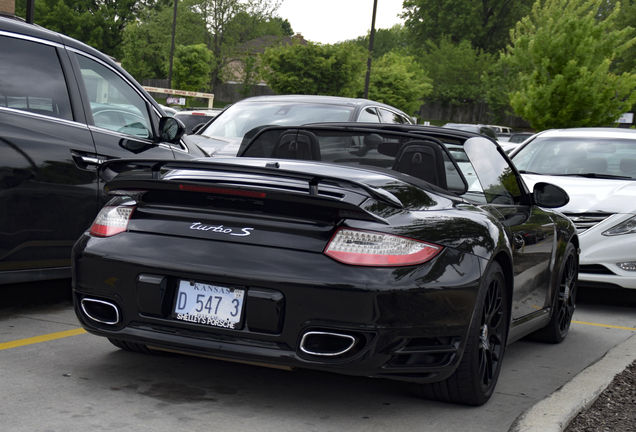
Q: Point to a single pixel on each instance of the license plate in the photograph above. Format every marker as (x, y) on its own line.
(212, 305)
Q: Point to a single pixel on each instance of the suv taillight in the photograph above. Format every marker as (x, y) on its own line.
(111, 221)
(367, 248)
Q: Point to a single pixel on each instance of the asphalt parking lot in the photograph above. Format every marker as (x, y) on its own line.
(56, 377)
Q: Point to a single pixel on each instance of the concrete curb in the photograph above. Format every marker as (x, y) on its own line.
(555, 412)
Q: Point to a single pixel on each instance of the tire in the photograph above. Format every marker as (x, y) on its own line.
(133, 347)
(564, 301)
(476, 376)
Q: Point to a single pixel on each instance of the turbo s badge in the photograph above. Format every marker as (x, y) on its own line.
(220, 229)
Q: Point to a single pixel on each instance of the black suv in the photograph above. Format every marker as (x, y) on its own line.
(64, 109)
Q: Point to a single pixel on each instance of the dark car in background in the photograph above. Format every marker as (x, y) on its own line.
(64, 109)
(193, 118)
(389, 251)
(503, 137)
(519, 137)
(223, 135)
(515, 140)
(476, 128)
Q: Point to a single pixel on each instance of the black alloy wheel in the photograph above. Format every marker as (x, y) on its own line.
(567, 295)
(492, 335)
(474, 381)
(564, 301)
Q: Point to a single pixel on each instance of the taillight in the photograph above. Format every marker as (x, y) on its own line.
(367, 248)
(111, 221)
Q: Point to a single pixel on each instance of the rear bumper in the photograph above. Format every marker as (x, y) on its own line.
(406, 323)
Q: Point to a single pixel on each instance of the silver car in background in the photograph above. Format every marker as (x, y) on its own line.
(224, 135)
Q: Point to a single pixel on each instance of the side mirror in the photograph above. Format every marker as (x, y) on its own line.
(171, 129)
(549, 195)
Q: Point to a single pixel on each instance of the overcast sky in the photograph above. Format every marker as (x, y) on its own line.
(331, 21)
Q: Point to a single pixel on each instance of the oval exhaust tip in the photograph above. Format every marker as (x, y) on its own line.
(321, 343)
(101, 311)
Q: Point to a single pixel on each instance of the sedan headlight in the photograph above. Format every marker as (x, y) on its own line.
(626, 227)
(627, 266)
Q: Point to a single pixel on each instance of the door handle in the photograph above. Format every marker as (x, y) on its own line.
(87, 162)
(92, 160)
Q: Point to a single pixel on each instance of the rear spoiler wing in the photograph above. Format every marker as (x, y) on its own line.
(139, 174)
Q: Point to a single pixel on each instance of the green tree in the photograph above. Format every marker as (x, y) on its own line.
(456, 71)
(147, 41)
(499, 83)
(245, 40)
(283, 24)
(97, 23)
(485, 23)
(333, 70)
(398, 81)
(626, 62)
(385, 40)
(244, 27)
(251, 74)
(231, 23)
(561, 56)
(191, 67)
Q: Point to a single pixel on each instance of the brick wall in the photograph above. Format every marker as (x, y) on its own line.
(7, 6)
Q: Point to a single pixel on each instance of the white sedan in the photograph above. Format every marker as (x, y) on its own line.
(597, 168)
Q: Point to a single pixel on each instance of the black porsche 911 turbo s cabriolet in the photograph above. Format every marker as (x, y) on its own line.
(390, 251)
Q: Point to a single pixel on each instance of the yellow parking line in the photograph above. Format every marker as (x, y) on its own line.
(78, 331)
(604, 325)
(43, 338)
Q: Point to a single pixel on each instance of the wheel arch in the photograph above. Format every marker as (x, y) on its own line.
(575, 241)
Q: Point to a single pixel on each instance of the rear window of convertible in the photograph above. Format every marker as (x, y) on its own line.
(422, 157)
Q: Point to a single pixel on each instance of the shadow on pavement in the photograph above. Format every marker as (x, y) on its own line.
(606, 296)
(35, 293)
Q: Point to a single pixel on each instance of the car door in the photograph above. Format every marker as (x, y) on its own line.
(531, 230)
(46, 200)
(122, 121)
